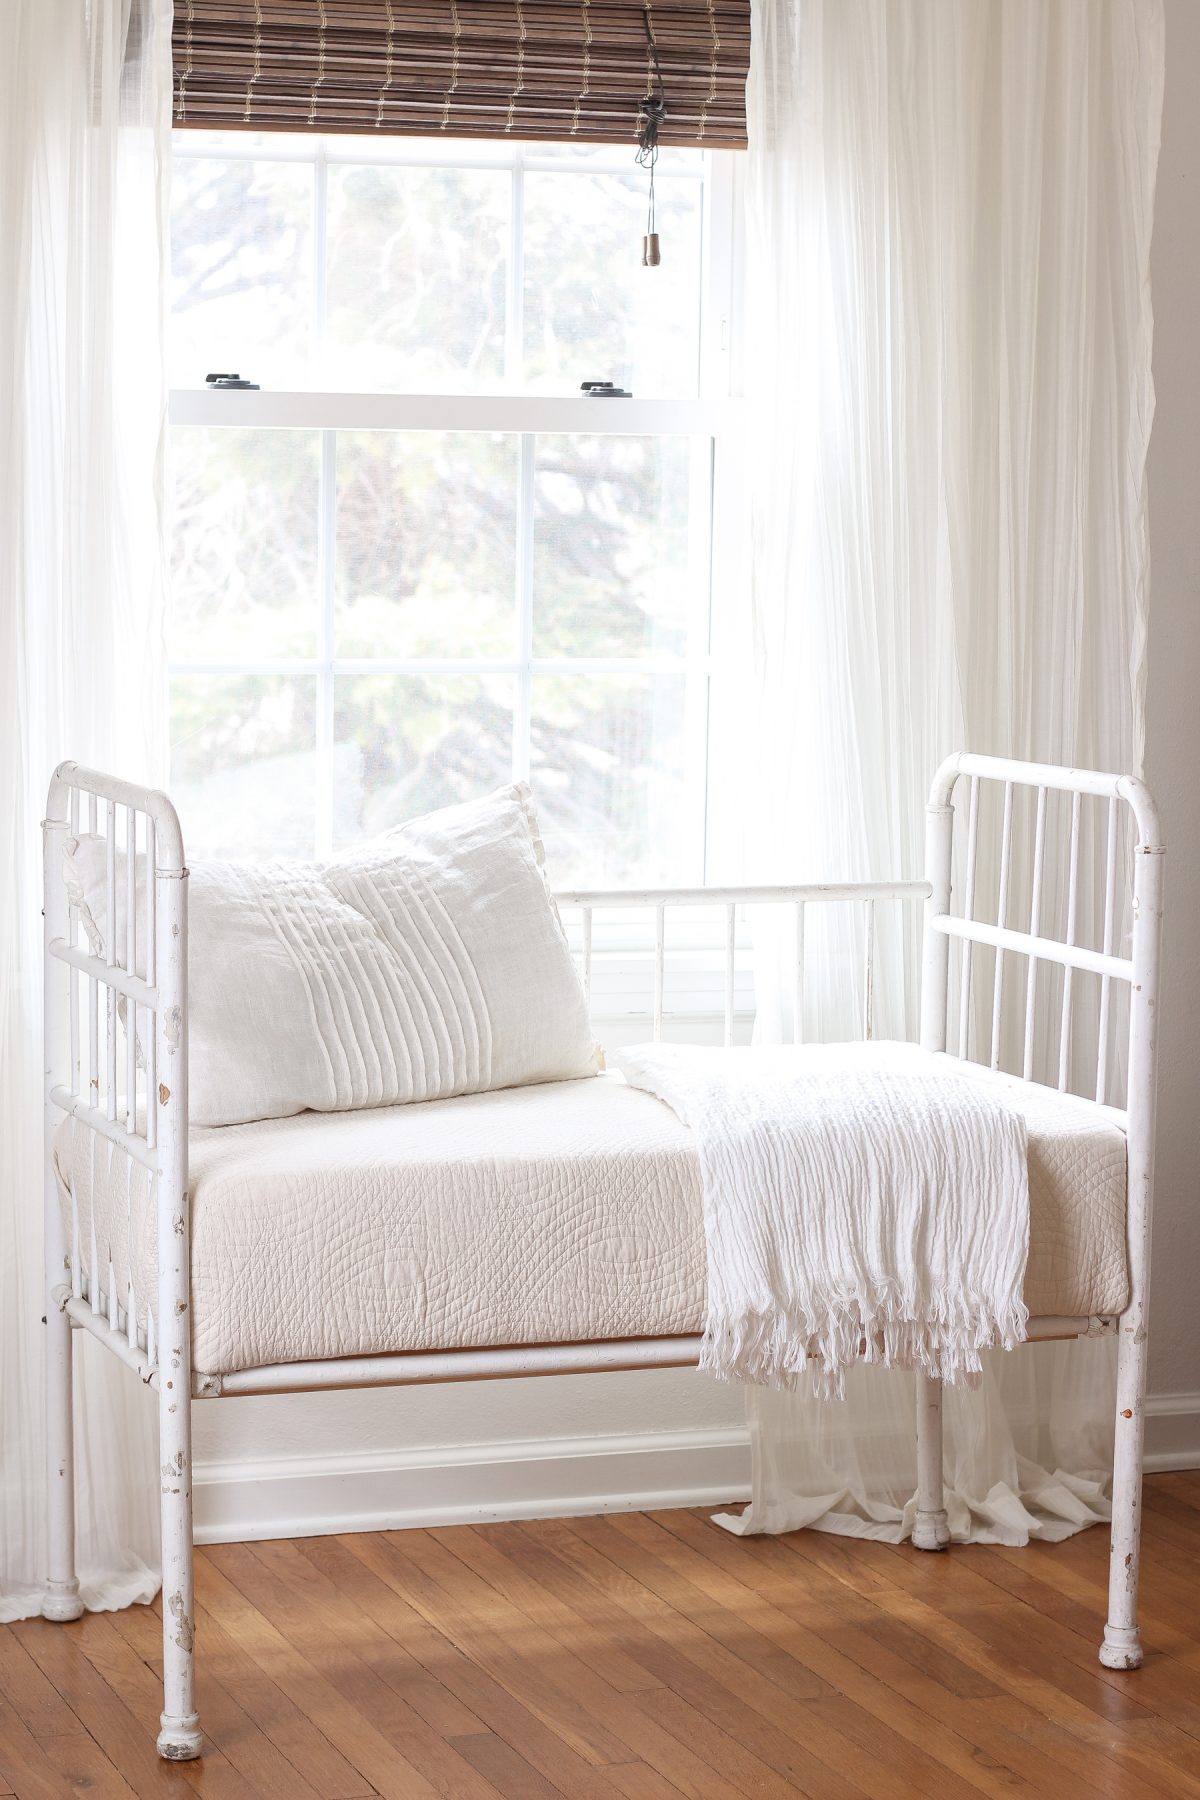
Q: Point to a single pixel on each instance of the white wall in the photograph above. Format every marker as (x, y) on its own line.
(522, 1447)
(1173, 733)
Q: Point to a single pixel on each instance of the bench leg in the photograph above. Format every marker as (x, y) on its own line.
(931, 1529)
(179, 1738)
(61, 1599)
(1122, 1646)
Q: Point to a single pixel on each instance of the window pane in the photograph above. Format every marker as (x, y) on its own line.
(608, 775)
(243, 764)
(244, 544)
(407, 744)
(426, 543)
(616, 568)
(241, 263)
(418, 262)
(592, 312)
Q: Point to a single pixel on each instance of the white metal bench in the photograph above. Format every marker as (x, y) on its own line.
(139, 1103)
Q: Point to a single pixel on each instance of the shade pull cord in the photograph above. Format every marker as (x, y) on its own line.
(652, 110)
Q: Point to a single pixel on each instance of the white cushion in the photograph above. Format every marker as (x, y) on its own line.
(427, 963)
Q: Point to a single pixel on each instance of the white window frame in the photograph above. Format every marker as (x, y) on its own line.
(713, 415)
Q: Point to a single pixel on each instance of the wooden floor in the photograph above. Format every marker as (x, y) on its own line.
(637, 1655)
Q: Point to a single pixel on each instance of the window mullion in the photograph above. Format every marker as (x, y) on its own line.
(514, 323)
(320, 255)
(326, 525)
(523, 696)
(326, 552)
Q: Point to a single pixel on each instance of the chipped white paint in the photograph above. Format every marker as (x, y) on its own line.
(149, 1121)
(1121, 1648)
(152, 1127)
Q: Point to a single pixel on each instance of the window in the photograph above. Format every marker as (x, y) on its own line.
(417, 562)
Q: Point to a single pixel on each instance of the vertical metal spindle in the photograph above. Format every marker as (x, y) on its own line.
(76, 1259)
(586, 921)
(798, 987)
(110, 949)
(964, 1004)
(94, 1262)
(1002, 921)
(73, 977)
(730, 948)
(659, 955)
(151, 1347)
(1110, 907)
(131, 889)
(151, 977)
(130, 1297)
(151, 949)
(1064, 1029)
(114, 1309)
(93, 1093)
(131, 1011)
(73, 989)
(868, 970)
(1035, 925)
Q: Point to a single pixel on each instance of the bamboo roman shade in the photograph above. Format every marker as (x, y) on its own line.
(560, 69)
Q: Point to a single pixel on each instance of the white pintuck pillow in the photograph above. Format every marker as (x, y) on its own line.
(428, 962)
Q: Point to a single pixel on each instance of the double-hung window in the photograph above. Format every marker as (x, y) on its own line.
(417, 561)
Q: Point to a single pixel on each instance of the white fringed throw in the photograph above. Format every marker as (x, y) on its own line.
(860, 1201)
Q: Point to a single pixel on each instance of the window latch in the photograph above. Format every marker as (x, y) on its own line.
(605, 390)
(228, 381)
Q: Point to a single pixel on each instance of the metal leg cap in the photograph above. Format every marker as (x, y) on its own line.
(179, 1740)
(931, 1531)
(61, 1601)
(1122, 1647)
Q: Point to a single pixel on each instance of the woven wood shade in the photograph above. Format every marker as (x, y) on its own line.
(567, 70)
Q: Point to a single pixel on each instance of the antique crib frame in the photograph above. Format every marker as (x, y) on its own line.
(139, 1104)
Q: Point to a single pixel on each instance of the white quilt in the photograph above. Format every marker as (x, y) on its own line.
(568, 1210)
(860, 1200)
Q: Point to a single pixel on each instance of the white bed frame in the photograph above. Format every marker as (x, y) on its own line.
(140, 1104)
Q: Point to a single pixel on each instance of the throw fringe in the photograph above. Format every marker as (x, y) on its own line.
(814, 1342)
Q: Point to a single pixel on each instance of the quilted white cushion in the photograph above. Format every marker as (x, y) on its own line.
(428, 963)
(541, 1215)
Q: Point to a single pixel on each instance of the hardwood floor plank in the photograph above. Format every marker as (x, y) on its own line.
(536, 1670)
(696, 1667)
(640, 1782)
(32, 1696)
(706, 1660)
(25, 1765)
(83, 1766)
(266, 1708)
(360, 1568)
(513, 1562)
(126, 1738)
(507, 1772)
(974, 1743)
(391, 1736)
(1005, 1645)
(631, 1657)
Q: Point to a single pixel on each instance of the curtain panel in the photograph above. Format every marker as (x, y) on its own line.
(949, 391)
(84, 163)
(564, 70)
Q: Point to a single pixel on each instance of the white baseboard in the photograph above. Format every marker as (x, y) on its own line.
(1172, 1432)
(314, 1496)
(541, 1478)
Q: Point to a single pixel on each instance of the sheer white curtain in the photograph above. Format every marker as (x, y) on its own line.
(949, 215)
(84, 147)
